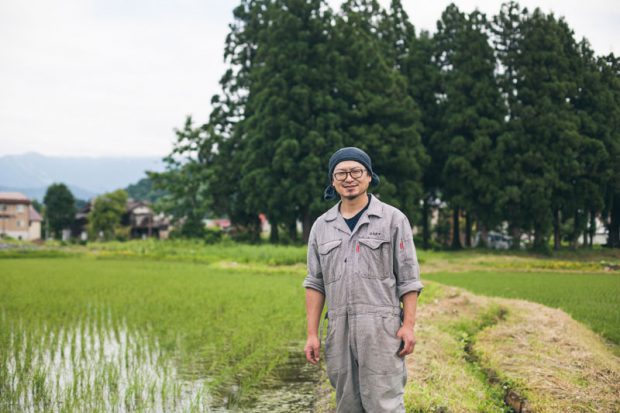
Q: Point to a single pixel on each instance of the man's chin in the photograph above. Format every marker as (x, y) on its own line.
(352, 197)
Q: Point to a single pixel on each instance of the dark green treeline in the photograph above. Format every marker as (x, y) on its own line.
(502, 120)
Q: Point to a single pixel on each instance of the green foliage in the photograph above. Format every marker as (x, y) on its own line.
(143, 190)
(369, 84)
(471, 117)
(104, 220)
(507, 119)
(59, 208)
(183, 183)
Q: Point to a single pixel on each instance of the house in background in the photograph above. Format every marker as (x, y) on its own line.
(143, 222)
(18, 219)
(139, 217)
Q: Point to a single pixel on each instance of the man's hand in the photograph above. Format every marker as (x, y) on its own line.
(313, 349)
(407, 335)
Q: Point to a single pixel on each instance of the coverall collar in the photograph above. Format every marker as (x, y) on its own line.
(375, 208)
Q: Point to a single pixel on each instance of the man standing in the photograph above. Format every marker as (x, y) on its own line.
(361, 258)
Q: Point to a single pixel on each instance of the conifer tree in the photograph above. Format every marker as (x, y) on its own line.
(545, 123)
(413, 56)
(290, 128)
(375, 109)
(471, 116)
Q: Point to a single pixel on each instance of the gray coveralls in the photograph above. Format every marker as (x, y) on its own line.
(363, 274)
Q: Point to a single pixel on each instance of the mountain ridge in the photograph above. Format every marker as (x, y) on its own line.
(31, 173)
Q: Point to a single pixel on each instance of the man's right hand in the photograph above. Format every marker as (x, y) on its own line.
(313, 349)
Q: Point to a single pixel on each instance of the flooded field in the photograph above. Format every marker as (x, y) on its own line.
(97, 343)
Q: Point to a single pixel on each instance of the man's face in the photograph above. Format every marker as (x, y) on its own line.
(352, 186)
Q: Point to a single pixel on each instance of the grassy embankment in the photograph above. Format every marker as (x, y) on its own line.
(168, 330)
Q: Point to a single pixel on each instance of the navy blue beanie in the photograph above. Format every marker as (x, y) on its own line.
(348, 154)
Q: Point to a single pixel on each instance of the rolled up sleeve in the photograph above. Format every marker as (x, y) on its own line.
(406, 268)
(314, 277)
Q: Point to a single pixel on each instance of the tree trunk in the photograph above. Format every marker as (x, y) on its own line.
(255, 229)
(556, 229)
(484, 236)
(540, 240)
(456, 233)
(592, 227)
(468, 225)
(613, 240)
(426, 230)
(292, 230)
(574, 239)
(516, 237)
(306, 226)
(274, 234)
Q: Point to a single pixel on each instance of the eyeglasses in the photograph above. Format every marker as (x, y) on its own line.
(355, 174)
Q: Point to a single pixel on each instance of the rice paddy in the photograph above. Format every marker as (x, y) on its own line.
(81, 334)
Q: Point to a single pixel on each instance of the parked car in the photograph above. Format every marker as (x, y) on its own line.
(499, 241)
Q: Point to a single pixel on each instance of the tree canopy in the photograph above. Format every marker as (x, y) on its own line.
(507, 120)
(59, 208)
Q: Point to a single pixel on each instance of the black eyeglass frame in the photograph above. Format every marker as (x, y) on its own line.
(355, 171)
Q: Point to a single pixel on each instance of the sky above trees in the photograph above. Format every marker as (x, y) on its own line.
(115, 77)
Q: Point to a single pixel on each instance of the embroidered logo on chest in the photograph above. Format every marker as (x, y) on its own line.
(374, 234)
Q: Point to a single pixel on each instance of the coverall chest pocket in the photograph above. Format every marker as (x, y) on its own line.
(330, 255)
(374, 258)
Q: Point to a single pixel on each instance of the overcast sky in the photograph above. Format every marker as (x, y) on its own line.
(114, 77)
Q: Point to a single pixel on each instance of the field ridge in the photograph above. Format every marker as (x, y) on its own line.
(473, 349)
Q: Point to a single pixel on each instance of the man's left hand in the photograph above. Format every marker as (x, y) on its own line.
(407, 335)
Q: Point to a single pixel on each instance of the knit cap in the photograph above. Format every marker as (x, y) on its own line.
(348, 154)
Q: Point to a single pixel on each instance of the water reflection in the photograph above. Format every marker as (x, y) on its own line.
(292, 388)
(100, 364)
(97, 365)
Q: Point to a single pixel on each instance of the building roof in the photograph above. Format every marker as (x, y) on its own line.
(34, 215)
(14, 197)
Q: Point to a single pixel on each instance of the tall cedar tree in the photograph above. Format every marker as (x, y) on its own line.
(376, 113)
(204, 167)
(542, 150)
(506, 28)
(471, 119)
(608, 119)
(588, 190)
(413, 56)
(291, 124)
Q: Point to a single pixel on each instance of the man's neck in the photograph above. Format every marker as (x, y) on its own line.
(350, 207)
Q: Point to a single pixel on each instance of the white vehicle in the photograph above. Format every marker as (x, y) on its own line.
(499, 241)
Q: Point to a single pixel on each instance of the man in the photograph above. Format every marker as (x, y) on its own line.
(361, 258)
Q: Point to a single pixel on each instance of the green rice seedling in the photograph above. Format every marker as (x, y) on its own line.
(142, 334)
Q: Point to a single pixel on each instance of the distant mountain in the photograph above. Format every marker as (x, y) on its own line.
(39, 193)
(32, 173)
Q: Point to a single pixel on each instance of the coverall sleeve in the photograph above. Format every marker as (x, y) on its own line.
(406, 268)
(314, 278)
